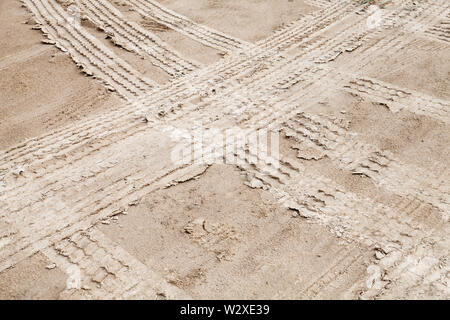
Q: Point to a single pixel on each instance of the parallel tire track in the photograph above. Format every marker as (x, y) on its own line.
(234, 67)
(88, 52)
(155, 11)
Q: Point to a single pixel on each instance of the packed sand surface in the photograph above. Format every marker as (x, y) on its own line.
(224, 149)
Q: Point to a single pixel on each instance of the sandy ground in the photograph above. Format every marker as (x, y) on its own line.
(96, 97)
(41, 87)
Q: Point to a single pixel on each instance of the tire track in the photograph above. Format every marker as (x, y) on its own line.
(268, 109)
(43, 223)
(212, 38)
(364, 159)
(129, 113)
(60, 221)
(441, 30)
(132, 37)
(398, 99)
(357, 219)
(88, 52)
(103, 270)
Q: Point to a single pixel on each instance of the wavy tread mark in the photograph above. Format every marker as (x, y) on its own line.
(89, 53)
(135, 38)
(106, 271)
(318, 198)
(360, 219)
(57, 221)
(165, 93)
(287, 28)
(364, 159)
(397, 98)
